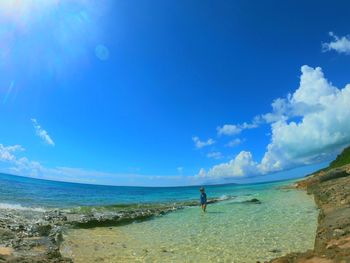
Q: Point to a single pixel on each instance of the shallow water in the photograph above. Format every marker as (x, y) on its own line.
(231, 231)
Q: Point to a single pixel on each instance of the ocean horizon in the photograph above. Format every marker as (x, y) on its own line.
(33, 192)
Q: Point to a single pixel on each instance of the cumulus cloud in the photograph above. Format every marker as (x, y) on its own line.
(42, 133)
(234, 129)
(339, 44)
(309, 126)
(200, 144)
(323, 129)
(241, 165)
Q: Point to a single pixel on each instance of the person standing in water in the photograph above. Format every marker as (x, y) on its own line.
(203, 199)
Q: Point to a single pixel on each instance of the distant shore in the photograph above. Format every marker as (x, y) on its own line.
(331, 190)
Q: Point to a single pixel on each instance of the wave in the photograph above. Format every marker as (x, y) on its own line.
(20, 207)
(225, 197)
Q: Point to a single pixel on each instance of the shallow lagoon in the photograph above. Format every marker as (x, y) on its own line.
(231, 231)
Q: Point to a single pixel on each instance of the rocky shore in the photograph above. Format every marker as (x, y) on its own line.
(32, 236)
(331, 190)
(35, 236)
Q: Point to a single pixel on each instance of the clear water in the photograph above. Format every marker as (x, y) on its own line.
(231, 230)
(34, 193)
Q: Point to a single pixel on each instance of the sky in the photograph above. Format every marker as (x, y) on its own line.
(157, 93)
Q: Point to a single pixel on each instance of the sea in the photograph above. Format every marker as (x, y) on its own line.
(231, 230)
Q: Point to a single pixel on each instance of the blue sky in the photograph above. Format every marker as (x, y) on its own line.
(172, 92)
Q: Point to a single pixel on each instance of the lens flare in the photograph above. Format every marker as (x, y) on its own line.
(102, 52)
(50, 36)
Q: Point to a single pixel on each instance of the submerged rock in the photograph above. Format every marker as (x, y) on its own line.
(275, 250)
(252, 201)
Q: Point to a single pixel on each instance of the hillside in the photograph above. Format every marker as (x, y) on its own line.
(342, 159)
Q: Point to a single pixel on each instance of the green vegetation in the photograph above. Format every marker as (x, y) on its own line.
(342, 159)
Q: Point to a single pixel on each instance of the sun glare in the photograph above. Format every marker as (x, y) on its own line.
(49, 34)
(21, 12)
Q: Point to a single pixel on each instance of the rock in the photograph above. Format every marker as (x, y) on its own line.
(338, 232)
(275, 250)
(55, 216)
(43, 228)
(330, 189)
(253, 201)
(6, 235)
(32, 236)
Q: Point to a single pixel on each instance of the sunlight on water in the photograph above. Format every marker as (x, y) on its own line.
(231, 231)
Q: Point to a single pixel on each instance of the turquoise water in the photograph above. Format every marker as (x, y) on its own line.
(34, 193)
(231, 230)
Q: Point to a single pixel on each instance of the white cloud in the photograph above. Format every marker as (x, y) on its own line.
(13, 163)
(319, 133)
(215, 155)
(241, 165)
(339, 44)
(200, 144)
(42, 133)
(309, 126)
(202, 173)
(233, 129)
(234, 142)
(228, 129)
(7, 152)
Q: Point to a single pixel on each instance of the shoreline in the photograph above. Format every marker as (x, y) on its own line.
(331, 191)
(36, 236)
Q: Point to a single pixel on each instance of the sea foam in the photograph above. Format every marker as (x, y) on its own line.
(20, 207)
